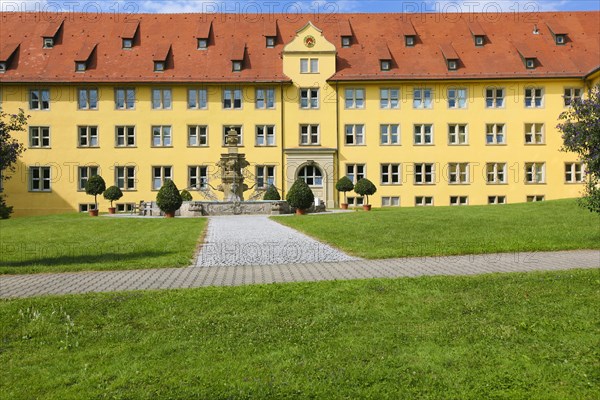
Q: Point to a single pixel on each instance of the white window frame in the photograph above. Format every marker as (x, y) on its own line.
(312, 136)
(309, 65)
(309, 98)
(457, 98)
(86, 135)
(422, 98)
(127, 95)
(198, 133)
(199, 99)
(421, 136)
(162, 99)
(42, 103)
(390, 201)
(265, 98)
(389, 135)
(535, 198)
(458, 134)
(239, 129)
(535, 173)
(495, 134)
(233, 99)
(459, 200)
(317, 179)
(265, 176)
(39, 137)
(424, 173)
(458, 173)
(126, 174)
(356, 172)
(164, 138)
(197, 177)
(84, 173)
(355, 98)
(570, 94)
(124, 133)
(496, 199)
(574, 172)
(44, 179)
(356, 134)
(423, 201)
(85, 94)
(165, 172)
(534, 97)
(535, 134)
(389, 98)
(392, 172)
(496, 173)
(265, 135)
(355, 201)
(495, 97)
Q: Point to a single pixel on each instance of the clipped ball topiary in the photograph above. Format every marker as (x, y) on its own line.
(95, 186)
(113, 193)
(272, 193)
(168, 198)
(300, 196)
(186, 196)
(344, 185)
(365, 187)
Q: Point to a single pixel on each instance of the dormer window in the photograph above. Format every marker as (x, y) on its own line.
(479, 41)
(127, 43)
(530, 63)
(560, 40)
(386, 65)
(80, 66)
(48, 43)
(409, 40)
(202, 44)
(270, 41)
(2, 67)
(159, 66)
(236, 66)
(346, 41)
(452, 65)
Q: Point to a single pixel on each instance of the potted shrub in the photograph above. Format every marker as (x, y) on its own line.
(113, 193)
(272, 193)
(366, 188)
(344, 185)
(169, 199)
(300, 196)
(95, 186)
(186, 196)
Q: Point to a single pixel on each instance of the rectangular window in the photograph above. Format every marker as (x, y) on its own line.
(574, 173)
(354, 98)
(355, 172)
(423, 201)
(389, 134)
(424, 174)
(496, 173)
(198, 177)
(309, 98)
(159, 175)
(197, 135)
(87, 99)
(535, 198)
(265, 98)
(197, 99)
(161, 99)
(355, 201)
(457, 98)
(535, 173)
(458, 173)
(125, 136)
(161, 136)
(265, 176)
(265, 135)
(85, 173)
(39, 99)
(422, 98)
(494, 97)
(355, 135)
(423, 134)
(127, 43)
(87, 136)
(390, 174)
(85, 207)
(459, 200)
(393, 201)
(39, 136)
(125, 98)
(125, 207)
(309, 65)
(389, 98)
(495, 134)
(496, 199)
(457, 134)
(570, 95)
(534, 133)
(534, 97)
(202, 43)
(125, 178)
(39, 179)
(232, 99)
(309, 135)
(238, 130)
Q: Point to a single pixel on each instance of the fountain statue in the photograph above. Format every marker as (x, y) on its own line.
(232, 163)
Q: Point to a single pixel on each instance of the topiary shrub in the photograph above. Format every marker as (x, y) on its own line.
(344, 185)
(113, 193)
(272, 193)
(365, 187)
(300, 196)
(5, 210)
(95, 186)
(186, 196)
(168, 198)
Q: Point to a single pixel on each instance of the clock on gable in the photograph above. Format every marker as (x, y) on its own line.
(309, 41)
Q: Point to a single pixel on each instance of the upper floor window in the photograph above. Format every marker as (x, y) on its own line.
(39, 179)
(424, 174)
(160, 175)
(534, 133)
(422, 98)
(309, 98)
(458, 173)
(309, 134)
(574, 173)
(161, 136)
(202, 44)
(125, 136)
(494, 97)
(48, 42)
(354, 98)
(127, 44)
(125, 98)
(232, 99)
(355, 172)
(265, 135)
(535, 172)
(87, 136)
(389, 98)
(236, 65)
(496, 173)
(270, 41)
(238, 130)
(346, 41)
(88, 99)
(495, 134)
(410, 40)
(390, 174)
(457, 134)
(265, 98)
(197, 135)
(85, 173)
(309, 65)
(161, 99)
(570, 95)
(423, 134)
(39, 99)
(457, 98)
(197, 99)
(39, 136)
(355, 134)
(159, 66)
(534, 97)
(125, 178)
(390, 134)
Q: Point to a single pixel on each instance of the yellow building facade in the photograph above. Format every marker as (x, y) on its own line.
(423, 142)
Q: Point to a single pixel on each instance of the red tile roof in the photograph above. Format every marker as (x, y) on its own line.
(499, 58)
(7, 50)
(86, 50)
(130, 28)
(449, 52)
(475, 28)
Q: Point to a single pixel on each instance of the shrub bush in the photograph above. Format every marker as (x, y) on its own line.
(344, 185)
(186, 196)
(5, 210)
(300, 196)
(365, 187)
(272, 193)
(95, 186)
(168, 198)
(113, 193)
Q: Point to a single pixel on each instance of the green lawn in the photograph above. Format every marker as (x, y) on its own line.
(427, 231)
(510, 336)
(76, 242)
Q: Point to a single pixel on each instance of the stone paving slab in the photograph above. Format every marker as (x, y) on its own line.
(21, 286)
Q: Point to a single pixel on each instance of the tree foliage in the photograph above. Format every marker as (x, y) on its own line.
(113, 193)
(186, 196)
(581, 134)
(168, 198)
(365, 187)
(344, 185)
(10, 149)
(95, 186)
(300, 195)
(272, 193)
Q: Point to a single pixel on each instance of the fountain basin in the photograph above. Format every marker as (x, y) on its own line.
(209, 208)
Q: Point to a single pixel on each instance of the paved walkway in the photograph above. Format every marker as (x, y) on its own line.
(191, 277)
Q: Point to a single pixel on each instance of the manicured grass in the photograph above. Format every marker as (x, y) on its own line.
(76, 242)
(428, 231)
(512, 336)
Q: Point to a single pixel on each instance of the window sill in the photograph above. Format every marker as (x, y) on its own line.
(496, 184)
(39, 148)
(535, 183)
(40, 191)
(423, 144)
(575, 183)
(390, 144)
(535, 144)
(265, 145)
(162, 147)
(125, 147)
(189, 146)
(496, 144)
(391, 184)
(458, 144)
(88, 147)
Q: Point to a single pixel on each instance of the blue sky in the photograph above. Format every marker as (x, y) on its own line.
(290, 6)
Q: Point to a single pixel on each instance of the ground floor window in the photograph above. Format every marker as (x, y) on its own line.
(86, 207)
(459, 200)
(311, 175)
(125, 207)
(197, 177)
(535, 198)
(422, 201)
(393, 201)
(265, 176)
(496, 199)
(355, 201)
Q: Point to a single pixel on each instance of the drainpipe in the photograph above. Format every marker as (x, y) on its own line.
(281, 121)
(336, 176)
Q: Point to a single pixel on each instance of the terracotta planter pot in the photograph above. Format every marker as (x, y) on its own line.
(170, 214)
(112, 210)
(93, 213)
(344, 206)
(367, 207)
(300, 212)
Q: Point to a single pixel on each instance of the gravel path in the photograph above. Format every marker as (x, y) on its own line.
(256, 240)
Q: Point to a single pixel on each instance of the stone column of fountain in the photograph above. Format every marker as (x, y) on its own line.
(232, 163)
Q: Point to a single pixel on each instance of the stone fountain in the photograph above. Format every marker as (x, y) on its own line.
(232, 163)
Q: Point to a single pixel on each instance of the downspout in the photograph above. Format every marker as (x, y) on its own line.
(336, 175)
(281, 121)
